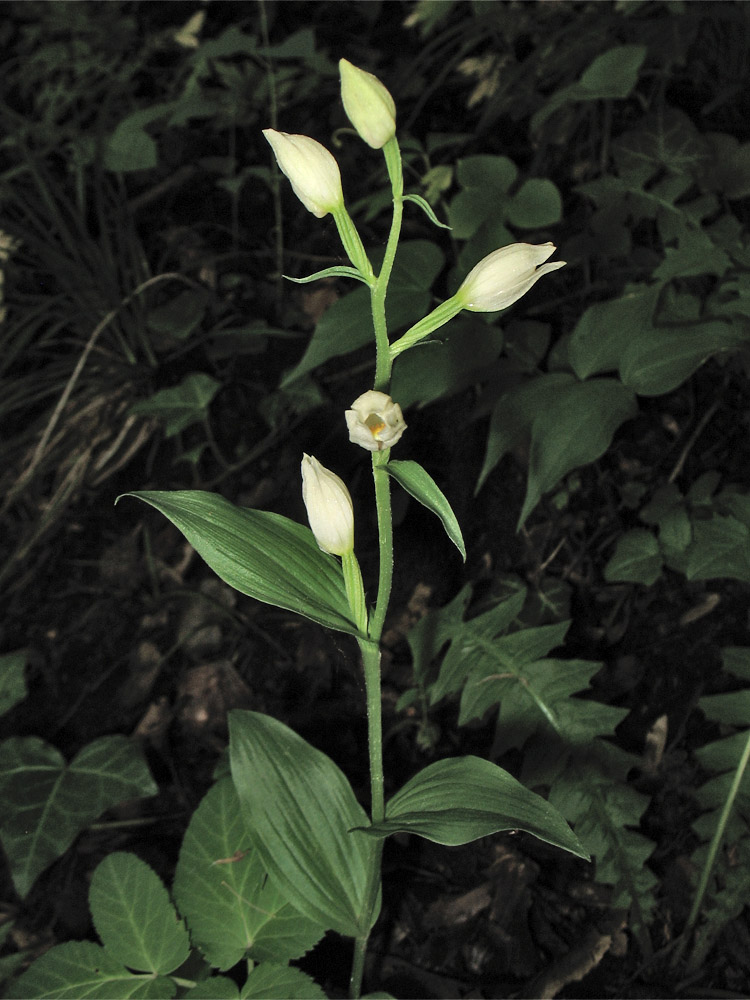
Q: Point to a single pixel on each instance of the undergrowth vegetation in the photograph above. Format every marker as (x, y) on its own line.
(592, 439)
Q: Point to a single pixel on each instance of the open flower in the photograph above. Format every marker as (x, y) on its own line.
(329, 507)
(504, 276)
(312, 170)
(368, 105)
(375, 421)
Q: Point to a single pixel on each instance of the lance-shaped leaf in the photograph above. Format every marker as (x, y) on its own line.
(261, 554)
(300, 811)
(420, 484)
(461, 799)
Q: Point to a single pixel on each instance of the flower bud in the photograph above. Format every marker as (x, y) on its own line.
(375, 421)
(368, 105)
(312, 170)
(329, 507)
(504, 276)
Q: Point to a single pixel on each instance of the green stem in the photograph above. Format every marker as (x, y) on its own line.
(383, 357)
(370, 648)
(352, 243)
(713, 849)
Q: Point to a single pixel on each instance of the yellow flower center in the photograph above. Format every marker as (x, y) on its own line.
(375, 424)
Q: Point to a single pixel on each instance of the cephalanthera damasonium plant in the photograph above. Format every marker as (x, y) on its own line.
(291, 811)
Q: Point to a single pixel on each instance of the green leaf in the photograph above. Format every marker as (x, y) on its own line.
(658, 360)
(280, 982)
(514, 413)
(130, 148)
(48, 803)
(471, 641)
(329, 272)
(81, 970)
(636, 559)
(261, 554)
(12, 679)
(576, 427)
(462, 799)
(133, 916)
(606, 328)
(537, 203)
(233, 909)
(215, 988)
(300, 810)
(720, 548)
(181, 406)
(426, 208)
(419, 484)
(464, 351)
(180, 316)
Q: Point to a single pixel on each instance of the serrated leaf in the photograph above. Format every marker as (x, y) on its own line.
(48, 802)
(12, 679)
(636, 559)
(470, 641)
(720, 548)
(232, 907)
(420, 484)
(300, 809)
(215, 988)
(181, 406)
(280, 982)
(459, 800)
(134, 917)
(261, 554)
(81, 970)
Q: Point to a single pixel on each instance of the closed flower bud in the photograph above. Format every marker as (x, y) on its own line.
(368, 105)
(504, 276)
(375, 422)
(312, 170)
(329, 507)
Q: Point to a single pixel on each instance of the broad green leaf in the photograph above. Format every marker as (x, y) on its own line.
(658, 360)
(280, 982)
(736, 660)
(485, 181)
(300, 811)
(420, 484)
(462, 799)
(720, 548)
(575, 428)
(185, 404)
(214, 988)
(81, 970)
(134, 916)
(347, 325)
(261, 554)
(611, 76)
(12, 679)
(130, 148)
(536, 204)
(636, 559)
(603, 332)
(461, 354)
(427, 638)
(47, 802)
(180, 316)
(232, 907)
